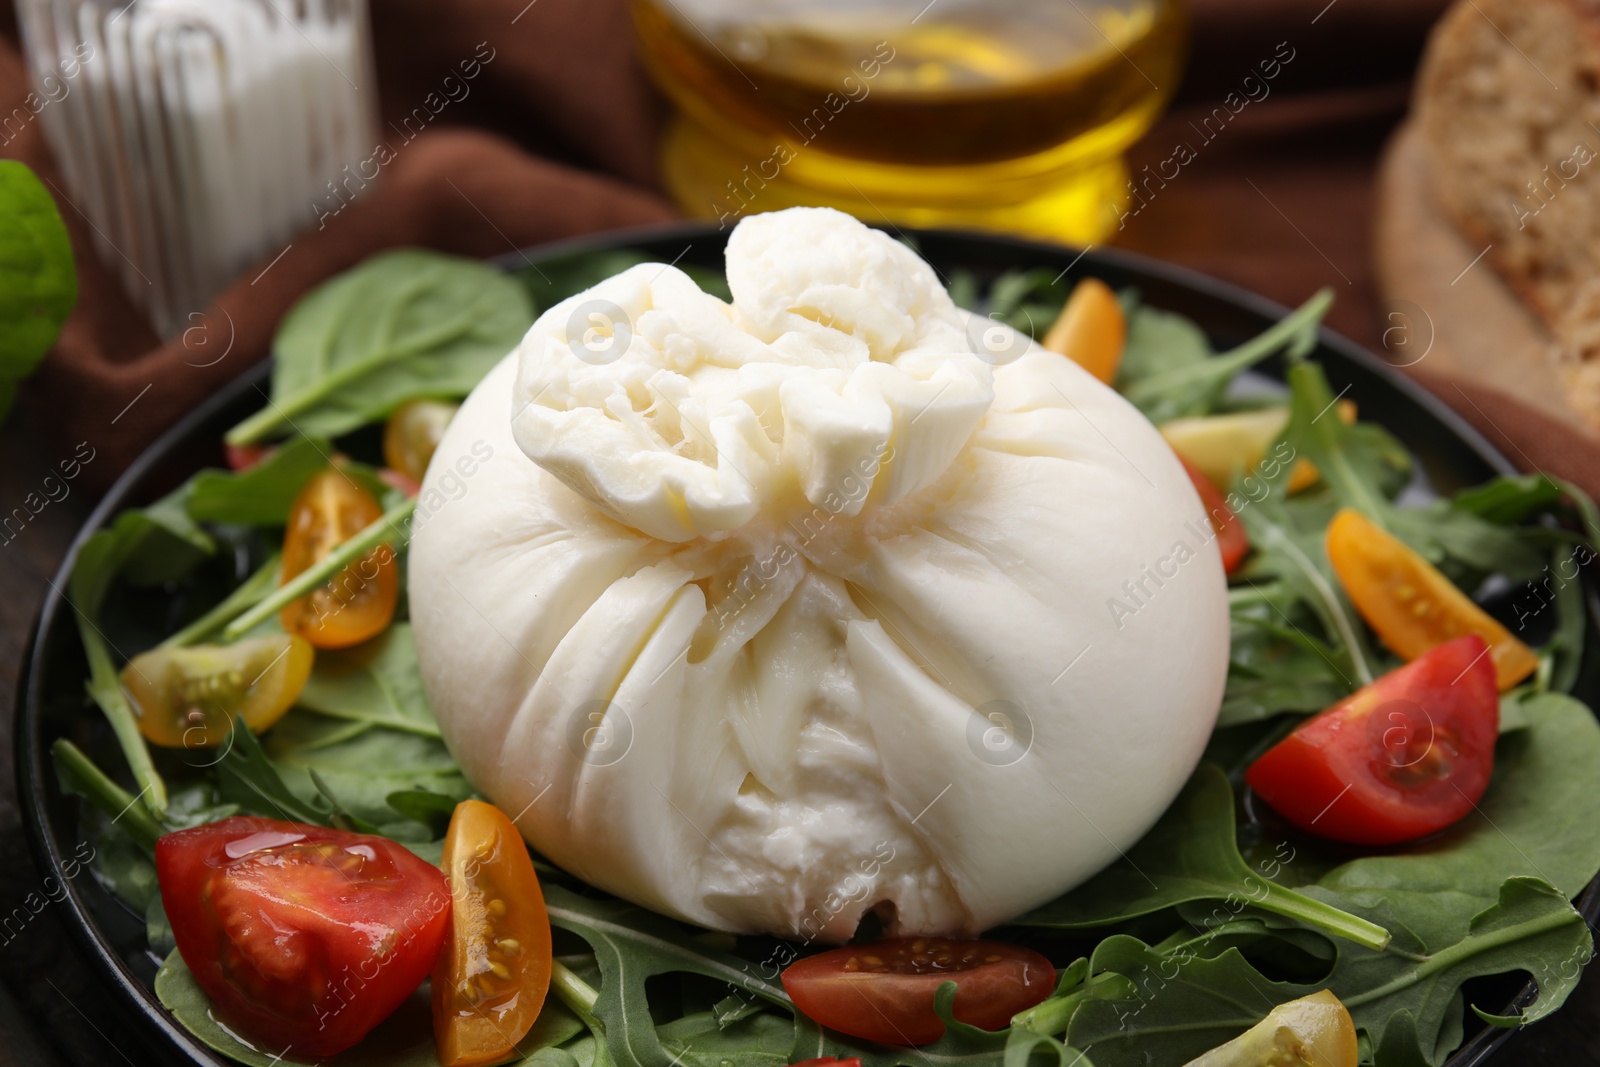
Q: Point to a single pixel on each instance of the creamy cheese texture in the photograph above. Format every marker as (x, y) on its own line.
(830, 600)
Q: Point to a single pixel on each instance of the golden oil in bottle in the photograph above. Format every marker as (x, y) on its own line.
(999, 114)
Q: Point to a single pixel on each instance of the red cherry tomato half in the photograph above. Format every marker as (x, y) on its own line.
(304, 937)
(1231, 538)
(1396, 760)
(243, 457)
(884, 991)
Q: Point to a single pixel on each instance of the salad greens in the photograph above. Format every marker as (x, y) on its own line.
(1217, 915)
(403, 324)
(38, 282)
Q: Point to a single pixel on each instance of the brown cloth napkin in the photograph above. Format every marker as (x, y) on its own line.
(558, 137)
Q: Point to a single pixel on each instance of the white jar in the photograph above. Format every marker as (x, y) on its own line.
(199, 136)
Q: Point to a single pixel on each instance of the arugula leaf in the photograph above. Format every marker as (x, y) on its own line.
(1174, 1006)
(38, 281)
(403, 324)
(154, 544)
(377, 682)
(262, 495)
(1275, 668)
(1530, 927)
(632, 945)
(1288, 539)
(249, 779)
(1191, 854)
(1191, 381)
(363, 770)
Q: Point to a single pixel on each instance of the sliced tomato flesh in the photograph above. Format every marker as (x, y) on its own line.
(1232, 540)
(491, 980)
(357, 603)
(304, 937)
(1409, 602)
(884, 991)
(1399, 759)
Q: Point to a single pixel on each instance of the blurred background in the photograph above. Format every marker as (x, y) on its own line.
(210, 176)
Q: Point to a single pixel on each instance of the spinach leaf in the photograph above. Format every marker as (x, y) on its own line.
(38, 281)
(403, 324)
(376, 682)
(1192, 854)
(262, 495)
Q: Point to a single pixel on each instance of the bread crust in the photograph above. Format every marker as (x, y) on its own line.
(1507, 92)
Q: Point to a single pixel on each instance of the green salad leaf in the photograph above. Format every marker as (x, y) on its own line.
(263, 494)
(403, 324)
(1191, 854)
(404, 1039)
(377, 682)
(38, 280)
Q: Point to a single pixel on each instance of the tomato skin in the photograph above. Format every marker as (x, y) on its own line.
(1396, 760)
(1409, 602)
(491, 979)
(829, 1061)
(304, 937)
(357, 603)
(1232, 540)
(243, 457)
(413, 433)
(1091, 330)
(890, 1001)
(190, 697)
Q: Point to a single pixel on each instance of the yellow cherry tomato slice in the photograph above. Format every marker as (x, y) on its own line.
(1314, 1031)
(1412, 606)
(413, 433)
(189, 697)
(1219, 445)
(1091, 330)
(358, 602)
(492, 976)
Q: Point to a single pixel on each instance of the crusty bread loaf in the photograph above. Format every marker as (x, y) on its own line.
(1508, 100)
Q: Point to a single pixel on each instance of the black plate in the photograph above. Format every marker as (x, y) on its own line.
(1449, 455)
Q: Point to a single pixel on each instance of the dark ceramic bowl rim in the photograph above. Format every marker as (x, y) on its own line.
(35, 777)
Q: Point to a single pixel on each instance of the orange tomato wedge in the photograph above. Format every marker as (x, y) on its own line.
(1091, 330)
(358, 602)
(1411, 605)
(494, 971)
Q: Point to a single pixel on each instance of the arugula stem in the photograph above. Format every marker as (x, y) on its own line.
(381, 529)
(1295, 326)
(283, 410)
(1051, 1016)
(1241, 596)
(573, 991)
(250, 593)
(105, 689)
(122, 807)
(1333, 613)
(1320, 916)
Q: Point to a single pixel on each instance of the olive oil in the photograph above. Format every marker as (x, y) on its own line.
(1000, 114)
